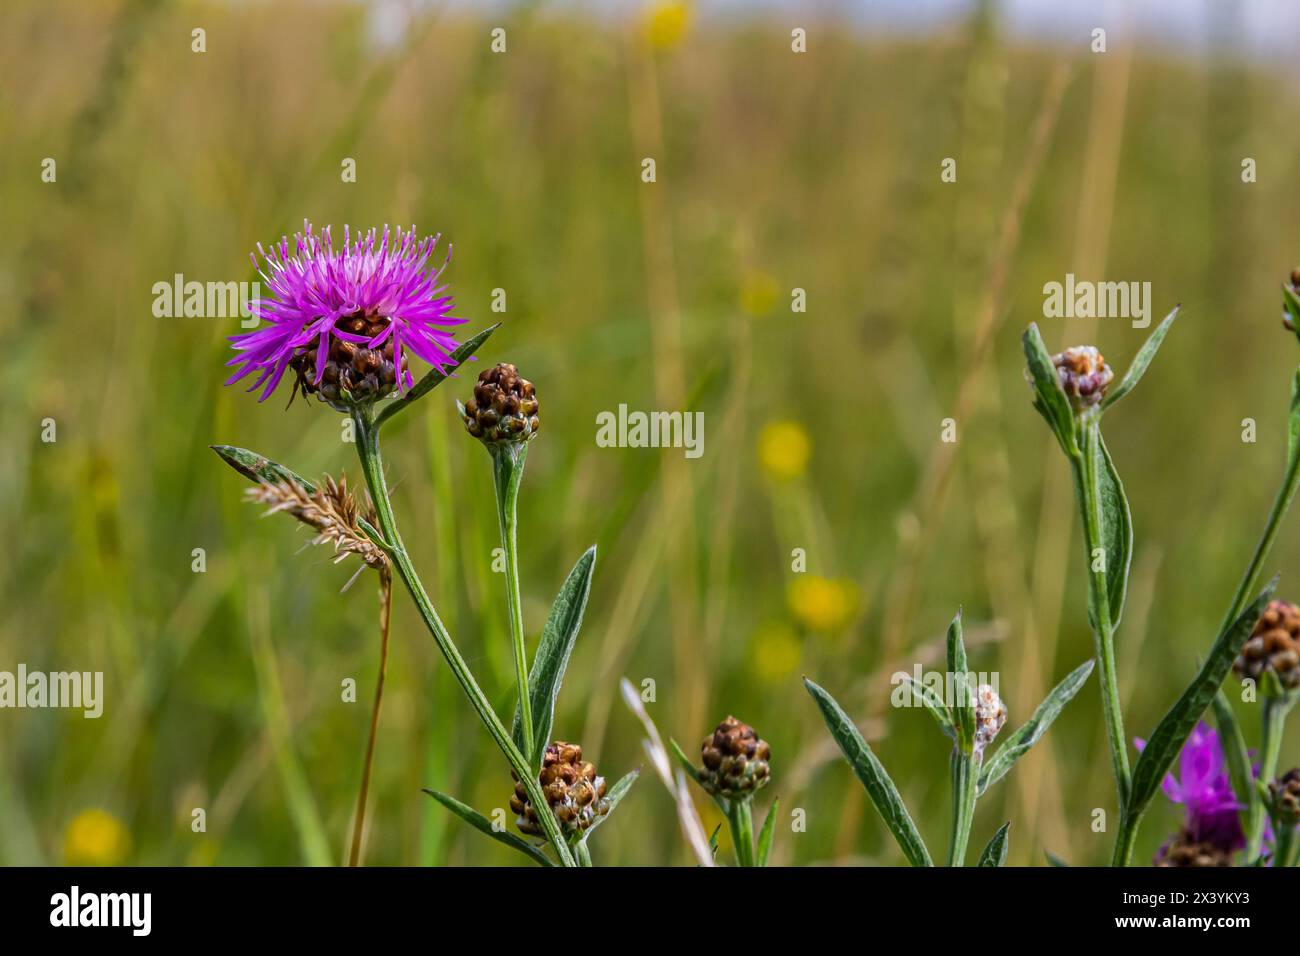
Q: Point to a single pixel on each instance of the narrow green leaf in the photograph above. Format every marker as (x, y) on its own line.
(963, 707)
(1030, 732)
(995, 854)
(484, 825)
(683, 760)
(435, 377)
(1291, 308)
(1050, 401)
(1116, 530)
(1234, 749)
(615, 795)
(879, 786)
(1054, 860)
(931, 702)
(1141, 361)
(768, 833)
(1293, 419)
(260, 469)
(558, 637)
(713, 839)
(1171, 733)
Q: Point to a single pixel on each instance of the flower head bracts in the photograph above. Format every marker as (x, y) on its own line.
(346, 320)
(1213, 820)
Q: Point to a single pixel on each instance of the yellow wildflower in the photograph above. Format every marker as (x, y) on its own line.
(784, 449)
(95, 838)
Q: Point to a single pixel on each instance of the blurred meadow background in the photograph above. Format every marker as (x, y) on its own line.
(775, 171)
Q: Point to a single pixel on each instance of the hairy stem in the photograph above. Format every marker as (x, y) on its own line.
(508, 472)
(385, 615)
(1087, 484)
(1273, 718)
(965, 775)
(367, 440)
(740, 819)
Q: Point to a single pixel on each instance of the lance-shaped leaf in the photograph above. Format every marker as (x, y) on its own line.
(558, 637)
(768, 833)
(1116, 529)
(1141, 361)
(963, 705)
(1234, 749)
(1293, 421)
(484, 825)
(435, 377)
(260, 469)
(1032, 730)
(1291, 309)
(995, 854)
(1171, 733)
(1050, 401)
(691, 770)
(931, 701)
(615, 795)
(880, 788)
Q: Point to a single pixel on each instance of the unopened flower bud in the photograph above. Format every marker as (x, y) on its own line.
(575, 793)
(1083, 374)
(1274, 646)
(1284, 797)
(735, 761)
(990, 715)
(504, 407)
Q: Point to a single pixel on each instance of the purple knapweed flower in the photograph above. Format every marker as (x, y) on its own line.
(347, 320)
(1204, 789)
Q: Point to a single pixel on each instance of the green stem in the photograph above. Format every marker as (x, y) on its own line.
(740, 818)
(1273, 719)
(1125, 838)
(508, 472)
(1248, 587)
(1288, 843)
(965, 776)
(372, 467)
(1087, 485)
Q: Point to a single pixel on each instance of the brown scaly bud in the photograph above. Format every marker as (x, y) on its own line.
(503, 409)
(1291, 302)
(735, 761)
(1274, 646)
(1186, 851)
(574, 791)
(990, 715)
(1284, 797)
(1083, 375)
(351, 368)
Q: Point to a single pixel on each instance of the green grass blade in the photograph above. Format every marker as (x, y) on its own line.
(1171, 733)
(552, 657)
(995, 854)
(768, 833)
(1141, 361)
(484, 825)
(879, 786)
(1032, 730)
